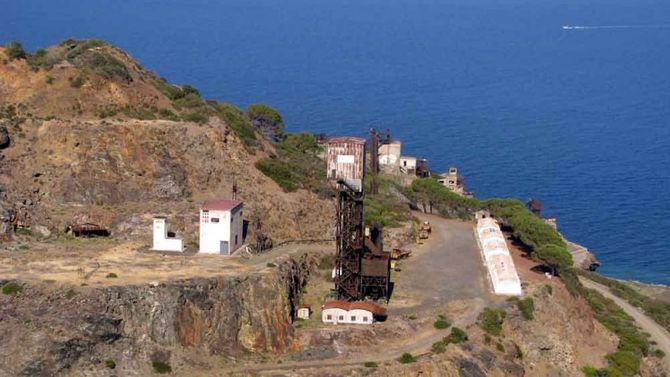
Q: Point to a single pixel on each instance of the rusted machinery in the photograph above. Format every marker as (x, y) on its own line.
(362, 268)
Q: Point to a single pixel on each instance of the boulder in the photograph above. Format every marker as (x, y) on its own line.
(4, 138)
(41, 230)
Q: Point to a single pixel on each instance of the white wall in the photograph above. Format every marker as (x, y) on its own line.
(345, 316)
(497, 259)
(229, 228)
(161, 242)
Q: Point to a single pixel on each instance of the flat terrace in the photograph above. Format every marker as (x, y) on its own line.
(94, 262)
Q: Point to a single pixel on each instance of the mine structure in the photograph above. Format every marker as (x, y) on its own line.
(362, 268)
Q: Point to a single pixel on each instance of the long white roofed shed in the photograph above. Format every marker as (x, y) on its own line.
(497, 258)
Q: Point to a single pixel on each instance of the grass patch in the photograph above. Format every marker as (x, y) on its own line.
(658, 310)
(11, 288)
(297, 165)
(519, 351)
(406, 358)
(111, 275)
(370, 364)
(111, 364)
(438, 347)
(456, 336)
(526, 307)
(500, 347)
(632, 346)
(441, 324)
(238, 122)
(659, 353)
(491, 321)
(161, 367)
(385, 208)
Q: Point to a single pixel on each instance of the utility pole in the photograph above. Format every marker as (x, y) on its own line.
(375, 139)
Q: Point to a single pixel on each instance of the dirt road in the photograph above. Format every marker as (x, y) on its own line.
(658, 333)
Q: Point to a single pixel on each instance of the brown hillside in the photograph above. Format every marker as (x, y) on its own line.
(125, 145)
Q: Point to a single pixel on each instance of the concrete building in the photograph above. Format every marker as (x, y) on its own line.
(408, 165)
(304, 311)
(389, 154)
(345, 159)
(161, 240)
(497, 258)
(221, 226)
(452, 181)
(354, 312)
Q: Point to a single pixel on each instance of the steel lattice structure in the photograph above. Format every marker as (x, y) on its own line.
(349, 243)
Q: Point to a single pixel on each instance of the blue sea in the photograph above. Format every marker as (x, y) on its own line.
(579, 118)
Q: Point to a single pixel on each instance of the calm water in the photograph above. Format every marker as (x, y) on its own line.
(578, 118)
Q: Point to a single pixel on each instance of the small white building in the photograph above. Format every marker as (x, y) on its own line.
(355, 312)
(497, 258)
(389, 154)
(408, 164)
(304, 311)
(161, 241)
(221, 226)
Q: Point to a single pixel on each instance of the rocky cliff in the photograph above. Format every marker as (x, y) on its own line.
(47, 330)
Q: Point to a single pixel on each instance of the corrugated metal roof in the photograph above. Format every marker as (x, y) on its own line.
(220, 204)
(346, 140)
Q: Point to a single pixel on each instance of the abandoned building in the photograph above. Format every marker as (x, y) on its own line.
(354, 312)
(454, 182)
(408, 165)
(221, 226)
(304, 311)
(389, 155)
(345, 160)
(497, 258)
(162, 240)
(535, 206)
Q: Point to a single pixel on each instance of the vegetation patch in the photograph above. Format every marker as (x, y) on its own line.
(526, 307)
(519, 351)
(266, 120)
(297, 165)
(78, 82)
(633, 345)
(11, 288)
(658, 310)
(491, 320)
(111, 364)
(370, 364)
(406, 358)
(441, 323)
(161, 367)
(111, 275)
(438, 347)
(387, 207)
(15, 50)
(238, 122)
(457, 336)
(659, 353)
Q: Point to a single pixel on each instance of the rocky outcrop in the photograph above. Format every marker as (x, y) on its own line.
(48, 331)
(4, 138)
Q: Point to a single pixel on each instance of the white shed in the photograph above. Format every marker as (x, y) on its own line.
(304, 311)
(355, 312)
(221, 226)
(408, 164)
(161, 241)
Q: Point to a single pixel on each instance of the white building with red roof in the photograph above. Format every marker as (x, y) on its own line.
(221, 226)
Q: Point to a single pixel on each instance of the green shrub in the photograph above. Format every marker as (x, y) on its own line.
(407, 358)
(519, 351)
(105, 65)
(625, 361)
(238, 122)
(39, 59)
(11, 288)
(271, 265)
(77, 48)
(590, 372)
(526, 307)
(441, 324)
(549, 289)
(457, 336)
(15, 50)
(267, 120)
(370, 364)
(491, 321)
(111, 275)
(111, 364)
(500, 347)
(78, 82)
(50, 79)
(161, 367)
(659, 353)
(438, 347)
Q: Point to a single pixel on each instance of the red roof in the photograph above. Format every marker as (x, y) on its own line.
(363, 305)
(220, 204)
(346, 140)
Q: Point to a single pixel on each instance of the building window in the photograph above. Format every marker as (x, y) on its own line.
(353, 318)
(215, 219)
(205, 216)
(329, 317)
(236, 239)
(365, 319)
(341, 318)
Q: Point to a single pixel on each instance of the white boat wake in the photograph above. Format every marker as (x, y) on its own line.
(595, 27)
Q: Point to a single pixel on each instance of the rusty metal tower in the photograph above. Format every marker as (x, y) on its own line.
(350, 238)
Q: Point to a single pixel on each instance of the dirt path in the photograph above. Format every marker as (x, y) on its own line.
(445, 270)
(658, 333)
